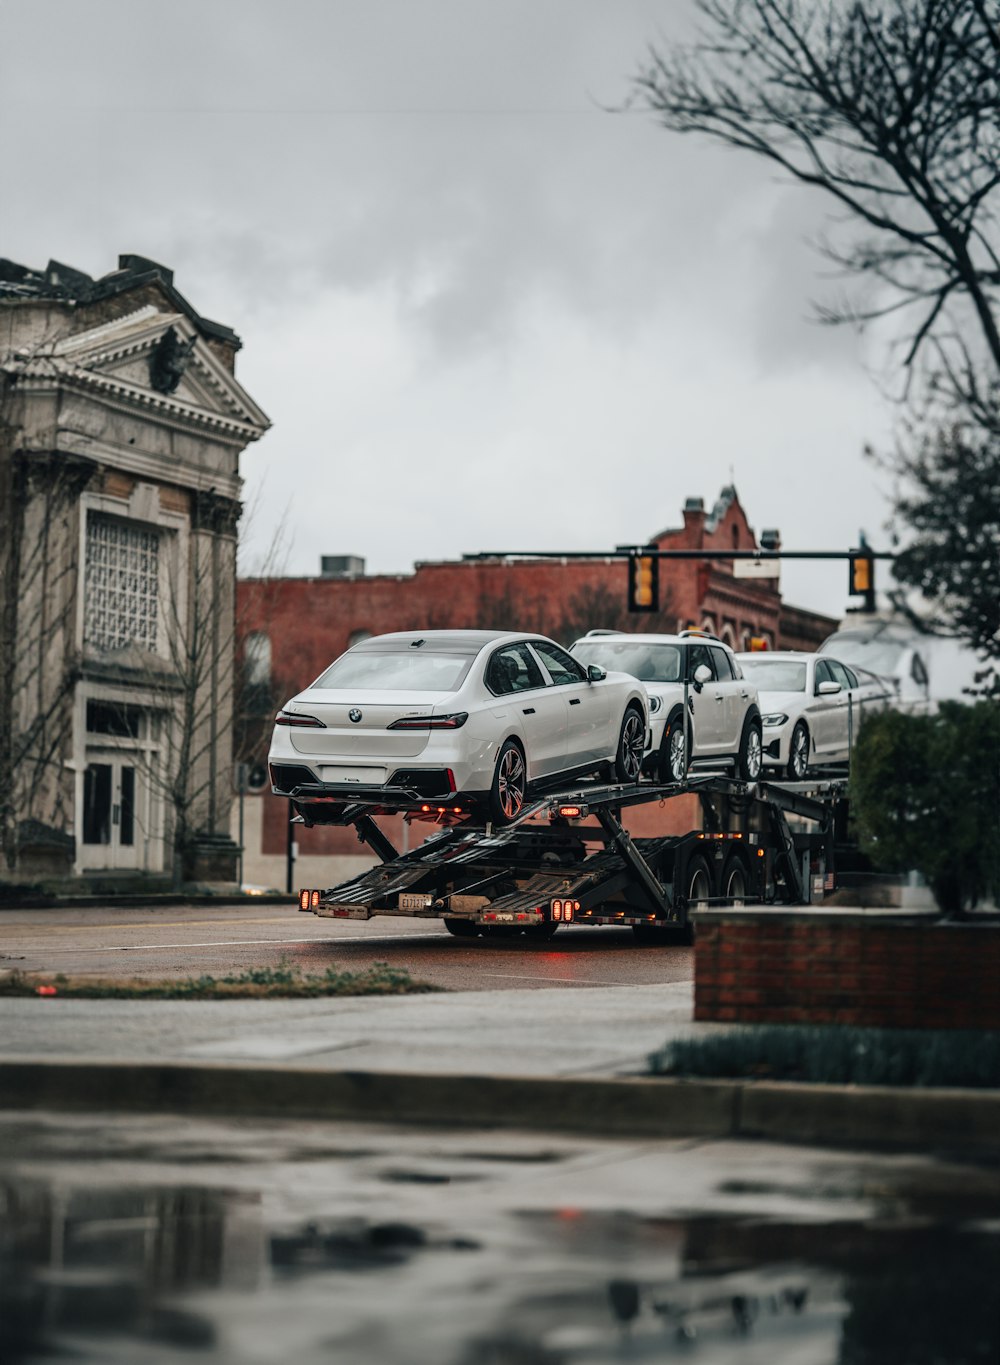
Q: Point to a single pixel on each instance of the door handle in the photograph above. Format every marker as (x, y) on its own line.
(574, 701)
(529, 710)
(719, 697)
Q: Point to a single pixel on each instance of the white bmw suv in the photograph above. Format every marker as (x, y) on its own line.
(723, 719)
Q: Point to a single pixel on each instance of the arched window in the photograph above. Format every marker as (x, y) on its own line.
(727, 635)
(708, 625)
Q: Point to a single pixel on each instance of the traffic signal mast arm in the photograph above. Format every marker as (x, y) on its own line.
(643, 566)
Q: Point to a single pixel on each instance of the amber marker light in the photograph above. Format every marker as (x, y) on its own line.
(303, 900)
(314, 899)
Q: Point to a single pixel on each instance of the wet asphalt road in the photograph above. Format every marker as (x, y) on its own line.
(183, 941)
(158, 1239)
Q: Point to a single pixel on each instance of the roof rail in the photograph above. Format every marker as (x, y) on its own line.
(699, 635)
(605, 632)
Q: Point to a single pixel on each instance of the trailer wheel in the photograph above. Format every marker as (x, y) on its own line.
(734, 880)
(631, 743)
(462, 928)
(674, 750)
(509, 785)
(698, 881)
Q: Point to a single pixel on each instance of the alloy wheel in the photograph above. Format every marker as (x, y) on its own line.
(510, 782)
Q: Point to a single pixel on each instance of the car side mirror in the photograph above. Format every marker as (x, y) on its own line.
(827, 689)
(702, 675)
(595, 673)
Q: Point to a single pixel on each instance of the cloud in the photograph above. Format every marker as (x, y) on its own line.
(481, 311)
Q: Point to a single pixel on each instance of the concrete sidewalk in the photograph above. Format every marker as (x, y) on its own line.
(571, 1060)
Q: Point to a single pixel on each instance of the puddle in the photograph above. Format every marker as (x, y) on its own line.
(156, 1273)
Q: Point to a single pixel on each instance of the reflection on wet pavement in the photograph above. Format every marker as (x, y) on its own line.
(156, 1240)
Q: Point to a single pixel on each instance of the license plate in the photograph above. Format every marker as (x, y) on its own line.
(412, 900)
(502, 917)
(362, 776)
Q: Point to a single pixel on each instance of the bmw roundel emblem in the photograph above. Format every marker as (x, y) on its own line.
(354, 714)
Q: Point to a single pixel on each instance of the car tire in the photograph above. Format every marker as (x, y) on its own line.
(510, 784)
(462, 928)
(798, 753)
(751, 755)
(674, 750)
(735, 881)
(631, 745)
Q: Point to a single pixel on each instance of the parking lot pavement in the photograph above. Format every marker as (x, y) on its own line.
(143, 1238)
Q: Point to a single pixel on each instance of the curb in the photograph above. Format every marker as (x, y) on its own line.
(965, 1122)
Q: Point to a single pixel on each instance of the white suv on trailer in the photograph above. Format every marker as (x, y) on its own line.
(694, 669)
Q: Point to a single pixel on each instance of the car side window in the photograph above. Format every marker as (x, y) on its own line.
(852, 677)
(512, 669)
(840, 674)
(723, 669)
(563, 668)
(698, 655)
(823, 674)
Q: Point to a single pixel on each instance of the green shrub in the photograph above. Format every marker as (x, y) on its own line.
(925, 795)
(838, 1056)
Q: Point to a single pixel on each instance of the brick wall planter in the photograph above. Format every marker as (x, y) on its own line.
(872, 968)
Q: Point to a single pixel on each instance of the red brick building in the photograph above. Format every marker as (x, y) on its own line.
(291, 628)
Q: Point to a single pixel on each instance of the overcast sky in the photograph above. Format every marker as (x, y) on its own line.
(481, 312)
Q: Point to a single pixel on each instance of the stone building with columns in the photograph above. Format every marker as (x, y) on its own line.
(121, 429)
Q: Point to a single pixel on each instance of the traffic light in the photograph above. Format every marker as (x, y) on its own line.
(861, 579)
(643, 583)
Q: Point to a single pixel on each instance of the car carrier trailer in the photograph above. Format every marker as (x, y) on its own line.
(568, 859)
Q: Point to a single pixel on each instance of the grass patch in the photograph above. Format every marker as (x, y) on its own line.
(838, 1056)
(283, 982)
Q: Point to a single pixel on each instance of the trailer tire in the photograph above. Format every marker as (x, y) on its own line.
(735, 880)
(662, 935)
(697, 883)
(631, 743)
(462, 928)
(510, 784)
(675, 749)
(541, 933)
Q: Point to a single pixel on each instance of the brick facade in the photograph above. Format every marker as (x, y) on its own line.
(873, 969)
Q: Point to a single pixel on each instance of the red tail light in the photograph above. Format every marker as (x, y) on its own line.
(454, 722)
(299, 722)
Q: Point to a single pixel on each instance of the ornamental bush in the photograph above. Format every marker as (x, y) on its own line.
(925, 795)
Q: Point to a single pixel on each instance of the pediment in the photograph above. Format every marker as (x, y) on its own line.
(121, 357)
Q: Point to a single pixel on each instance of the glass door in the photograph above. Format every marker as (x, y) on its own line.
(110, 825)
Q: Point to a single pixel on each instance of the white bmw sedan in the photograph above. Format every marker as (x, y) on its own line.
(454, 718)
(812, 707)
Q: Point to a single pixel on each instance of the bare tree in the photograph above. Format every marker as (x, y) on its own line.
(890, 107)
(37, 626)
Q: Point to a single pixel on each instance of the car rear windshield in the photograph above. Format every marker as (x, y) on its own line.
(775, 675)
(879, 656)
(648, 663)
(406, 671)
